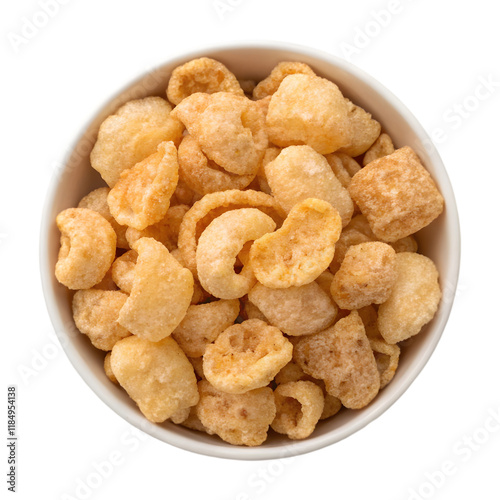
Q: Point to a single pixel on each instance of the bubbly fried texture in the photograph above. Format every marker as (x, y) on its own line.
(246, 356)
(133, 134)
(123, 270)
(88, 246)
(301, 249)
(414, 298)
(383, 146)
(156, 375)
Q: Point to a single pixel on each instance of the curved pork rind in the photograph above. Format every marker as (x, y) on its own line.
(298, 310)
(203, 323)
(299, 406)
(309, 110)
(156, 375)
(161, 293)
(219, 246)
(414, 298)
(301, 250)
(201, 75)
(141, 196)
(88, 246)
(123, 270)
(387, 358)
(299, 173)
(133, 134)
(96, 315)
(107, 368)
(383, 146)
(246, 356)
(341, 356)
(343, 166)
(397, 195)
(230, 129)
(240, 419)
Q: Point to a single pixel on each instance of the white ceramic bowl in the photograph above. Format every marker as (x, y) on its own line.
(440, 241)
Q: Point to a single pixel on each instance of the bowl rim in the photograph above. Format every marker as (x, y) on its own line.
(221, 450)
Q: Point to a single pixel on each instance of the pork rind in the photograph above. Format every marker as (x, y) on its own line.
(198, 367)
(414, 298)
(106, 283)
(299, 406)
(96, 315)
(383, 146)
(123, 270)
(343, 166)
(203, 175)
(301, 250)
(341, 356)
(203, 323)
(324, 280)
(397, 195)
(88, 246)
(246, 356)
(107, 368)
(156, 375)
(97, 200)
(161, 293)
(369, 316)
(193, 422)
(387, 358)
(309, 110)
(141, 196)
(407, 244)
(299, 173)
(133, 134)
(366, 276)
(251, 311)
(240, 419)
(230, 129)
(270, 85)
(298, 310)
(219, 245)
(201, 75)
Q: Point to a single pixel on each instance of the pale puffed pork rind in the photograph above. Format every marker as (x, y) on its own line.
(246, 356)
(141, 196)
(239, 419)
(88, 246)
(366, 276)
(123, 270)
(219, 246)
(161, 293)
(397, 195)
(203, 323)
(132, 134)
(387, 358)
(341, 356)
(201, 75)
(309, 110)
(297, 310)
(96, 315)
(383, 146)
(299, 173)
(299, 406)
(414, 298)
(156, 375)
(298, 252)
(107, 368)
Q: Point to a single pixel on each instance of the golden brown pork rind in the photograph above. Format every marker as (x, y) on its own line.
(387, 358)
(383, 146)
(123, 270)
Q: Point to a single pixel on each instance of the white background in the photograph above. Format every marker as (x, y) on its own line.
(432, 55)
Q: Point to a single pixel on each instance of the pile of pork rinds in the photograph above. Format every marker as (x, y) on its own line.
(251, 262)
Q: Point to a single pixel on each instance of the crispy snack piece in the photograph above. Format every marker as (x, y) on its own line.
(203, 175)
(161, 293)
(383, 146)
(106, 283)
(309, 110)
(298, 310)
(407, 244)
(230, 129)
(246, 356)
(156, 375)
(141, 196)
(397, 195)
(96, 315)
(366, 276)
(240, 419)
(299, 173)
(301, 250)
(369, 317)
(387, 358)
(193, 422)
(343, 166)
(270, 85)
(251, 311)
(299, 406)
(133, 134)
(324, 280)
(198, 367)
(97, 200)
(219, 245)
(414, 298)
(88, 246)
(123, 270)
(341, 356)
(107, 368)
(203, 323)
(201, 75)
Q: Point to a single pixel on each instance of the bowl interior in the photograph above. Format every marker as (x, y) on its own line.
(440, 241)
